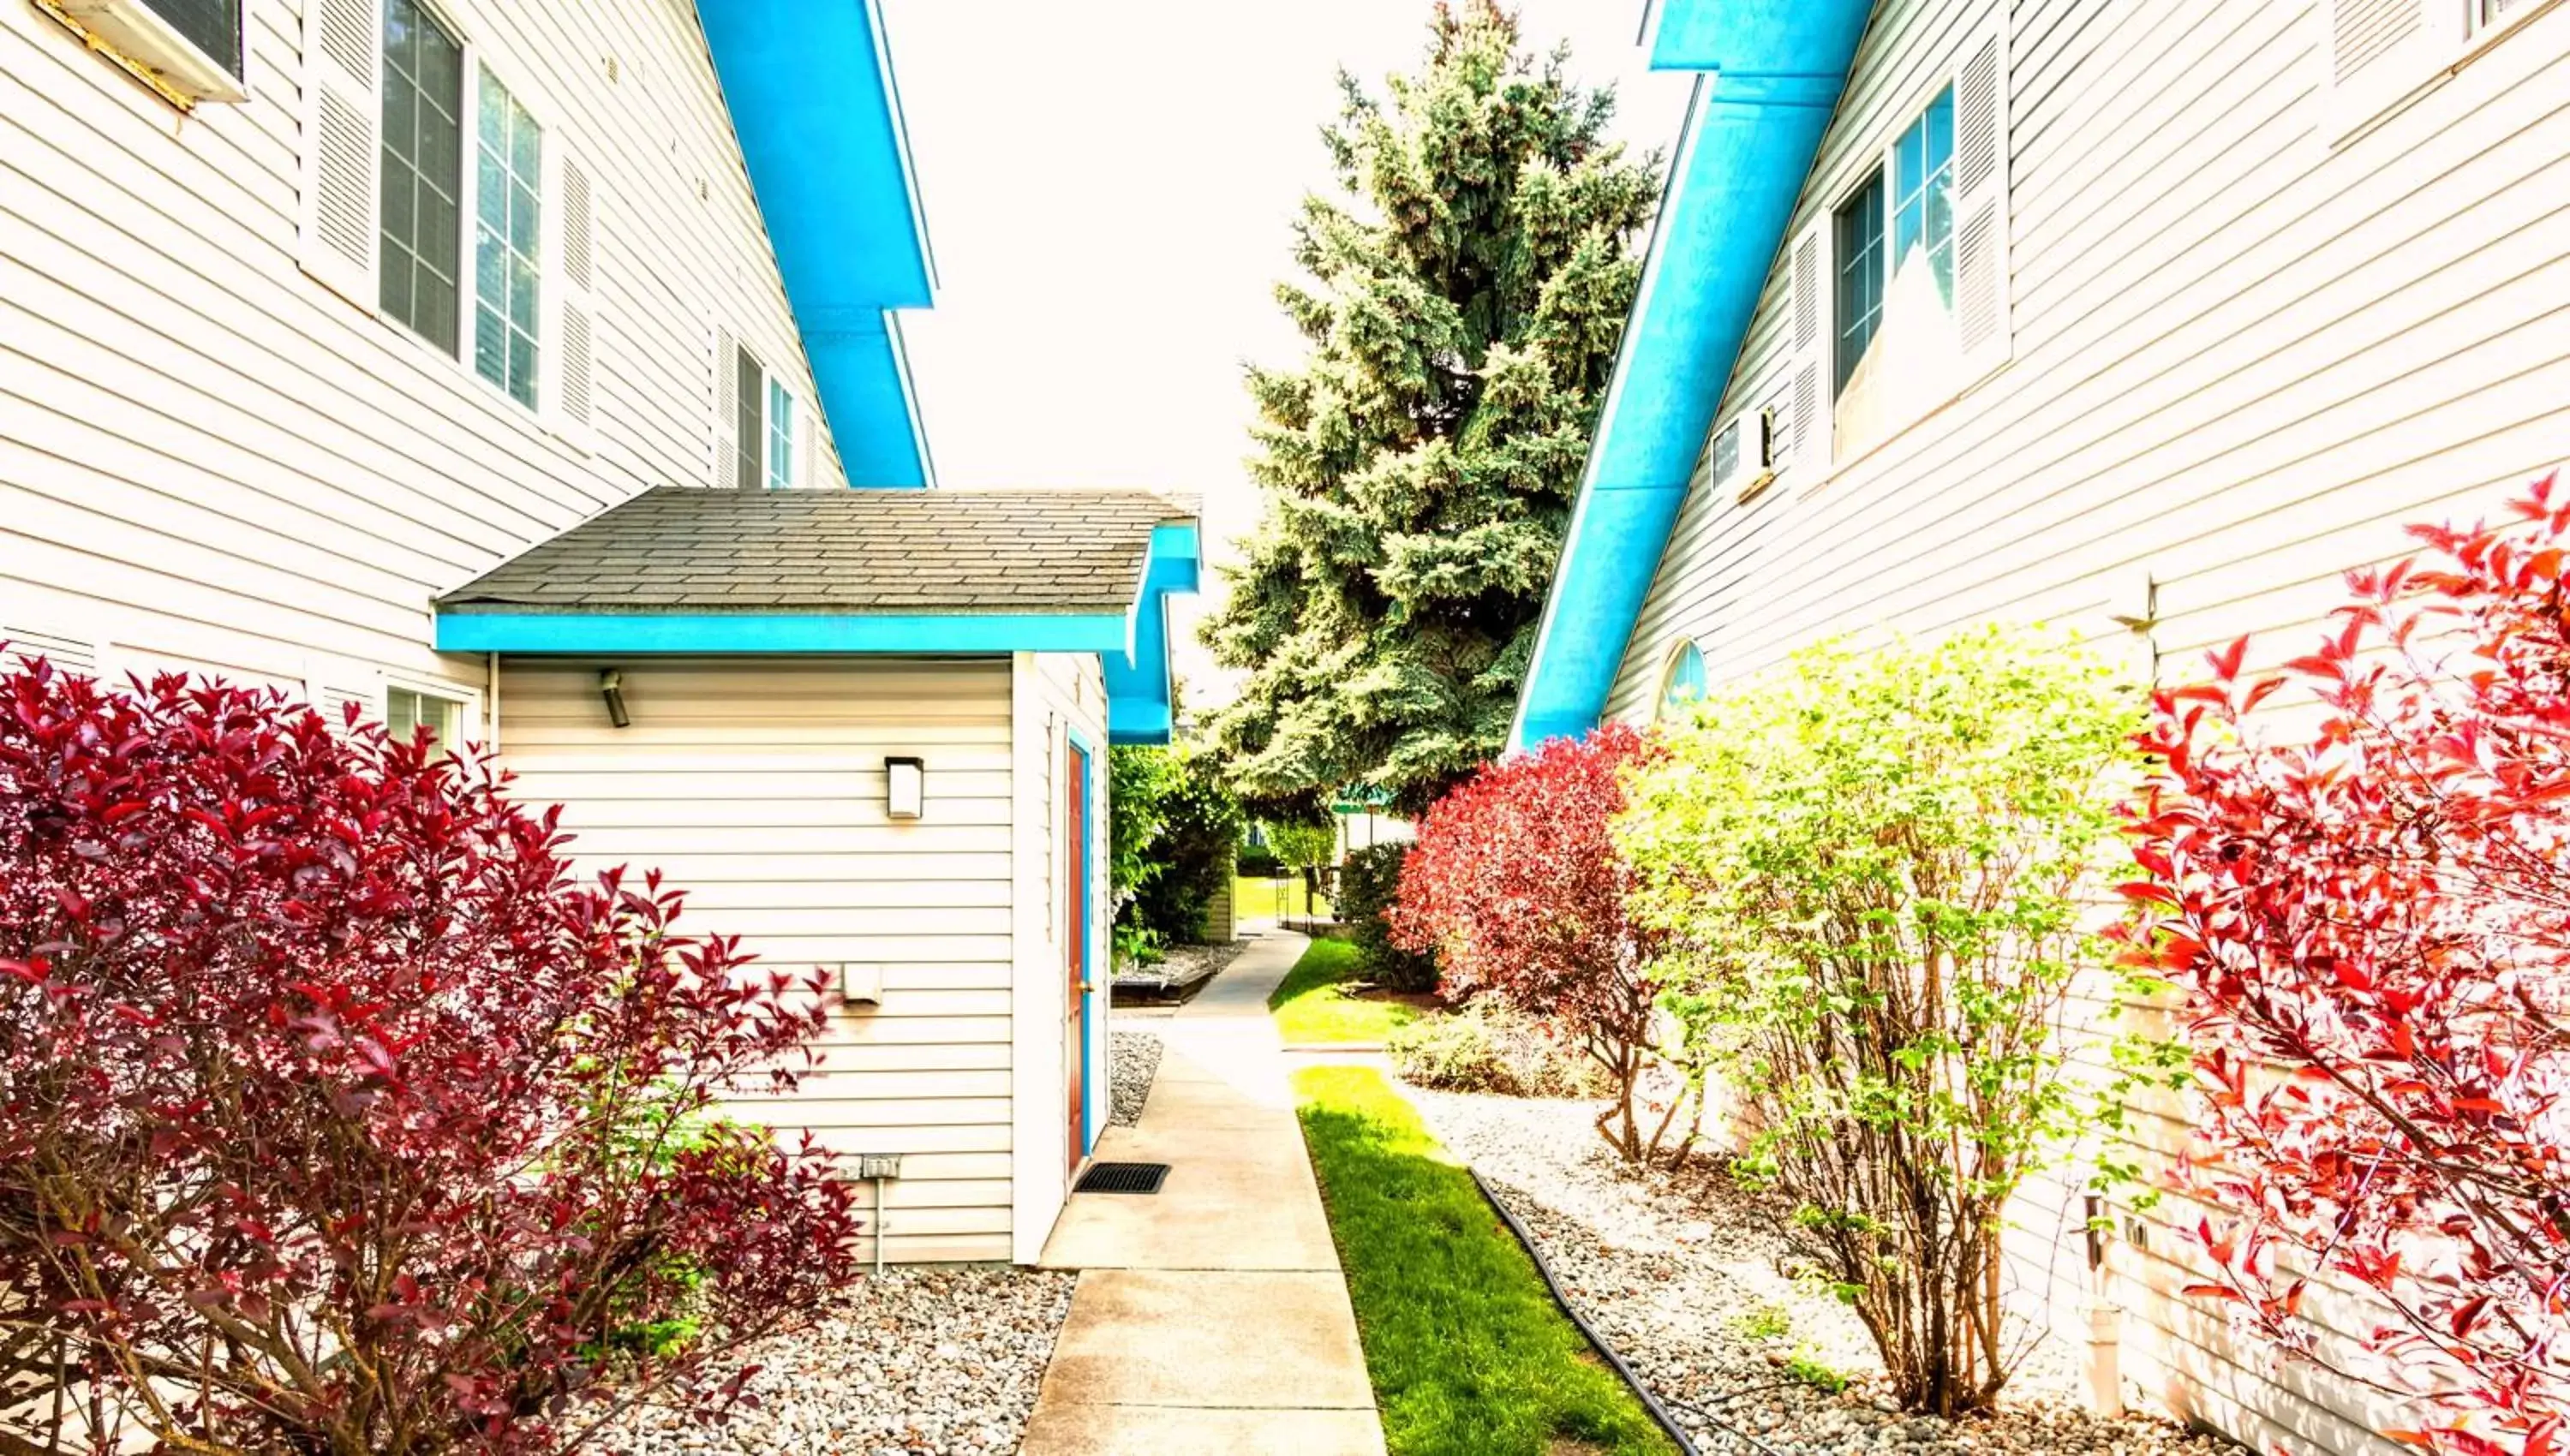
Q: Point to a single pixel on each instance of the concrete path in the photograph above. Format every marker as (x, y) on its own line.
(1210, 1318)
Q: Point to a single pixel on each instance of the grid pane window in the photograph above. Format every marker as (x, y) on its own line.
(1861, 275)
(407, 712)
(423, 177)
(749, 431)
(780, 436)
(1685, 685)
(507, 241)
(1922, 212)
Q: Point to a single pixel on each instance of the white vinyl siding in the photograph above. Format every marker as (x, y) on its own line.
(209, 452)
(2243, 357)
(760, 788)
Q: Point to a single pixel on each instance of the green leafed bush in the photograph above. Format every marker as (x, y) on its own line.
(1487, 1048)
(1878, 870)
(1369, 885)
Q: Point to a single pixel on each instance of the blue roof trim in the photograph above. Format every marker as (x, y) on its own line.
(1140, 706)
(809, 84)
(759, 633)
(1133, 646)
(1749, 140)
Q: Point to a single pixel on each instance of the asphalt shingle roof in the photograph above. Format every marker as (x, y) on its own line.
(860, 552)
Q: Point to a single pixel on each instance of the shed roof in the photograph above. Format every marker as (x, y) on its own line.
(840, 552)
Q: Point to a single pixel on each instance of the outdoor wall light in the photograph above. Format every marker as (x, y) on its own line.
(611, 686)
(905, 786)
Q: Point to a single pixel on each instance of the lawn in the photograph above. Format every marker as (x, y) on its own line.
(1312, 1003)
(1254, 898)
(1467, 1350)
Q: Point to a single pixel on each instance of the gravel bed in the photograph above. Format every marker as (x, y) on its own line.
(922, 1361)
(1179, 966)
(1135, 1058)
(1670, 1266)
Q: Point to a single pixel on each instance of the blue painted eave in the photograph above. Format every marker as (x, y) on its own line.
(810, 87)
(1776, 69)
(768, 633)
(1140, 699)
(1133, 646)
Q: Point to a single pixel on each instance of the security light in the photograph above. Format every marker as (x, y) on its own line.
(905, 786)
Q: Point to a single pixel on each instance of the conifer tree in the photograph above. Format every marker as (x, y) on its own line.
(1463, 293)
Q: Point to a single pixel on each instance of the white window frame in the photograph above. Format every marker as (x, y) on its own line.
(144, 43)
(1664, 708)
(2448, 35)
(553, 293)
(1805, 405)
(800, 434)
(471, 729)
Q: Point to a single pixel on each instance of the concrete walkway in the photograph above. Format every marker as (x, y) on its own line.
(1210, 1318)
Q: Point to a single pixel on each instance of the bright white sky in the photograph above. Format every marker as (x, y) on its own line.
(1109, 186)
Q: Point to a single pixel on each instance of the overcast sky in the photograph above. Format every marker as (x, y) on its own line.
(1109, 186)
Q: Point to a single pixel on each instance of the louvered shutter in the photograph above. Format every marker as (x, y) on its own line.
(727, 408)
(2376, 54)
(1982, 277)
(21, 645)
(1809, 387)
(342, 152)
(576, 360)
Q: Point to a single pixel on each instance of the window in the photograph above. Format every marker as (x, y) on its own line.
(2491, 13)
(1860, 259)
(1681, 680)
(435, 197)
(507, 245)
(1896, 345)
(780, 436)
(1896, 298)
(2381, 55)
(749, 434)
(765, 443)
(423, 182)
(1922, 210)
(407, 710)
(212, 26)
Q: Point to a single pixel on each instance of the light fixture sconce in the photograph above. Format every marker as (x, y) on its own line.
(904, 788)
(611, 686)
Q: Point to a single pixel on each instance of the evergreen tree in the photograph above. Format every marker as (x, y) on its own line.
(1462, 296)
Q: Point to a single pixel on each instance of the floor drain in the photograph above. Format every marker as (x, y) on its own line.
(1124, 1178)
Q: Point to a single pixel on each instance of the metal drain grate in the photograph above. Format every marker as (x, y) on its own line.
(1124, 1178)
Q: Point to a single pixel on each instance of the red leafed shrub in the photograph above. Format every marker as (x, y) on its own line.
(335, 1116)
(1518, 889)
(2370, 918)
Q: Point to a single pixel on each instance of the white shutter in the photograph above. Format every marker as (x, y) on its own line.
(1982, 277)
(726, 406)
(342, 111)
(21, 645)
(2377, 54)
(576, 292)
(1807, 447)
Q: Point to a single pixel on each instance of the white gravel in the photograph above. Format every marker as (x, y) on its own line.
(928, 1361)
(1670, 1266)
(1135, 1058)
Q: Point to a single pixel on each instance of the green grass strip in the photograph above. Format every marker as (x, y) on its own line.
(1313, 1007)
(1468, 1353)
